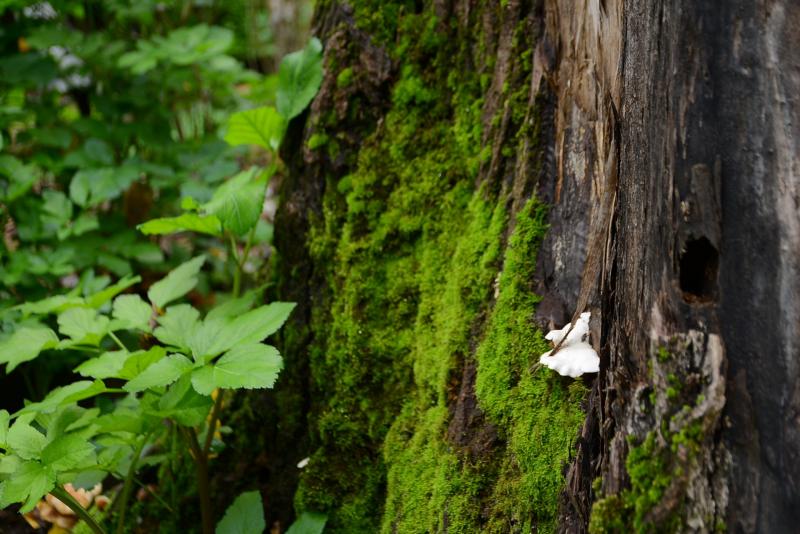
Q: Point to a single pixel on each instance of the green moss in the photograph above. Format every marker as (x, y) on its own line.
(317, 140)
(410, 251)
(345, 78)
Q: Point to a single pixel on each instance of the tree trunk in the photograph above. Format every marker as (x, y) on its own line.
(473, 173)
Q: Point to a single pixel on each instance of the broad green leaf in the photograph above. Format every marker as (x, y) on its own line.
(177, 326)
(308, 523)
(29, 483)
(299, 79)
(4, 420)
(235, 307)
(177, 283)
(162, 373)
(218, 334)
(138, 361)
(247, 366)
(56, 303)
(25, 344)
(193, 222)
(261, 126)
(244, 516)
(67, 452)
(120, 421)
(83, 325)
(238, 202)
(101, 297)
(25, 441)
(183, 404)
(133, 312)
(62, 396)
(107, 365)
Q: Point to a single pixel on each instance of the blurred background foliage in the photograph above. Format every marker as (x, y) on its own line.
(111, 113)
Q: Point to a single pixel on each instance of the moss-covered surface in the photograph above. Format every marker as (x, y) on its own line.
(426, 274)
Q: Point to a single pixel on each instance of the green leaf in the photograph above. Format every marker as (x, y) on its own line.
(247, 366)
(261, 126)
(140, 360)
(308, 523)
(238, 202)
(177, 283)
(244, 516)
(29, 483)
(4, 420)
(120, 421)
(162, 373)
(83, 325)
(184, 404)
(235, 307)
(133, 312)
(101, 297)
(177, 326)
(299, 79)
(25, 441)
(57, 303)
(193, 222)
(107, 365)
(25, 344)
(67, 452)
(62, 396)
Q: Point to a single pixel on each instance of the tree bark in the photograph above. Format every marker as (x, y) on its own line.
(663, 137)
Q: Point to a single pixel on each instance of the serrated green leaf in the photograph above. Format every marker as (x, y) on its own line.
(83, 325)
(120, 421)
(25, 441)
(132, 311)
(235, 307)
(138, 361)
(28, 484)
(177, 326)
(299, 79)
(183, 404)
(244, 516)
(62, 396)
(261, 126)
(177, 283)
(246, 366)
(238, 202)
(67, 452)
(4, 420)
(106, 294)
(191, 222)
(308, 523)
(57, 303)
(107, 365)
(162, 373)
(25, 344)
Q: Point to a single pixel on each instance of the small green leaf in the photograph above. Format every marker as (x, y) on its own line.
(67, 452)
(133, 312)
(244, 516)
(62, 396)
(138, 361)
(218, 335)
(101, 297)
(162, 373)
(4, 420)
(246, 366)
(238, 202)
(28, 484)
(261, 126)
(299, 79)
(57, 303)
(25, 441)
(191, 222)
(83, 325)
(177, 283)
(177, 326)
(107, 365)
(25, 344)
(308, 523)
(183, 404)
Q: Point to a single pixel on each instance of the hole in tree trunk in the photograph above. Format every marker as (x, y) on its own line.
(699, 266)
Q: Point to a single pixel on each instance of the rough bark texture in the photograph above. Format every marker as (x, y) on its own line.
(475, 172)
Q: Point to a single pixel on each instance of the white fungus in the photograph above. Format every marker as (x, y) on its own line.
(302, 463)
(576, 356)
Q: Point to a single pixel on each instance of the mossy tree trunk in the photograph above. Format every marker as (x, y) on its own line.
(473, 173)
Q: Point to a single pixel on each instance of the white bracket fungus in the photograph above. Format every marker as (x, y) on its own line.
(575, 356)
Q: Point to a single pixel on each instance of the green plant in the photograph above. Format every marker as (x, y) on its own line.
(157, 369)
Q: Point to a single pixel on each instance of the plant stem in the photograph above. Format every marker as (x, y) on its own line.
(63, 495)
(128, 486)
(203, 487)
(237, 268)
(212, 422)
(117, 341)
